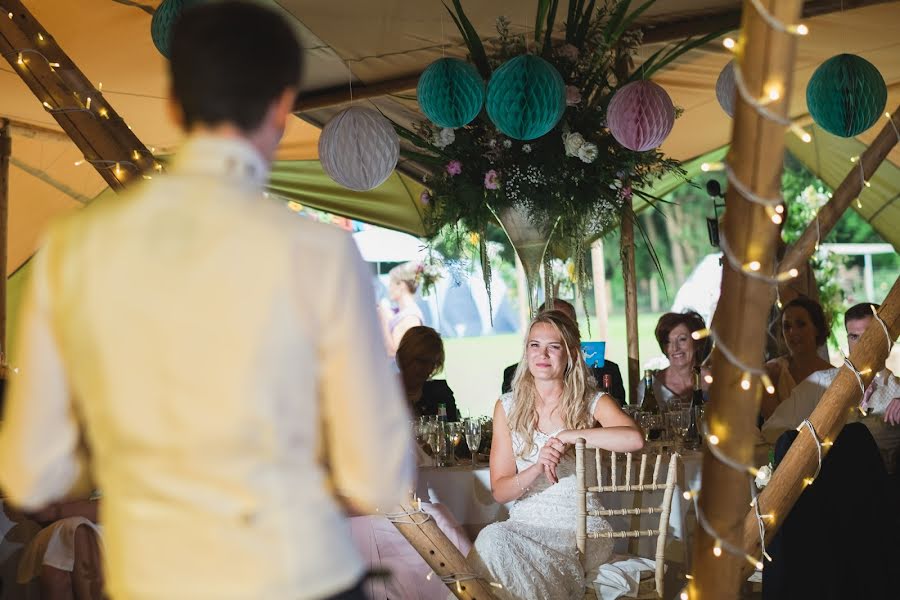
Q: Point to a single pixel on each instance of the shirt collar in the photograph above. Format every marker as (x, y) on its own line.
(223, 157)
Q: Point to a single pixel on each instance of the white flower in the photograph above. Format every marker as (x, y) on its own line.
(526, 148)
(573, 95)
(588, 152)
(763, 475)
(444, 137)
(572, 142)
(507, 143)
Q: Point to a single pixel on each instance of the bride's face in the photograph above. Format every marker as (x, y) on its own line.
(546, 352)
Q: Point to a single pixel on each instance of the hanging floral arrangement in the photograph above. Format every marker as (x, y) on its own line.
(552, 155)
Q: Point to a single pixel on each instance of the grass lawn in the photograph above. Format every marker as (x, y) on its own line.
(474, 365)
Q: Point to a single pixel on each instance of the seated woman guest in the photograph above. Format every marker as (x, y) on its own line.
(804, 328)
(685, 354)
(402, 286)
(420, 355)
(552, 404)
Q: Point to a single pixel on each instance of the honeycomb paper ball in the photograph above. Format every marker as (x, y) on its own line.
(526, 97)
(640, 116)
(450, 92)
(358, 148)
(164, 18)
(726, 89)
(846, 95)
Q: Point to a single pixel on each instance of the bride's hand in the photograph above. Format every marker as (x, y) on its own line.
(549, 458)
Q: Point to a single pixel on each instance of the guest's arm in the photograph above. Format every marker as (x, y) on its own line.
(366, 423)
(41, 455)
(618, 432)
(892, 412)
(507, 482)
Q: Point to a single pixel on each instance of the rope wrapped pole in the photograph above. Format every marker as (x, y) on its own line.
(850, 188)
(5, 151)
(626, 251)
(445, 559)
(80, 109)
(765, 57)
(829, 417)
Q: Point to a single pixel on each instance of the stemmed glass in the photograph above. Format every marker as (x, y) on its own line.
(455, 432)
(472, 428)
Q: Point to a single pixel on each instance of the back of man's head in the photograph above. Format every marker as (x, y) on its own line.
(860, 311)
(230, 61)
(560, 305)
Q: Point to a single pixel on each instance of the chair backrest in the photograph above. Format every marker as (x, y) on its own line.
(629, 485)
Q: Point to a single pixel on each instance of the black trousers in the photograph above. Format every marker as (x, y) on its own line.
(353, 593)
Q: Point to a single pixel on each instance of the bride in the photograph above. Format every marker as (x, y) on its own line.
(553, 402)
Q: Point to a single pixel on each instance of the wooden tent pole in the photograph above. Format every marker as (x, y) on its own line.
(5, 152)
(445, 559)
(626, 251)
(799, 252)
(829, 417)
(766, 58)
(80, 109)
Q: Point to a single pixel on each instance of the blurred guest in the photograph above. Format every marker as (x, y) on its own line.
(419, 357)
(616, 387)
(233, 412)
(804, 328)
(881, 396)
(65, 555)
(685, 354)
(403, 283)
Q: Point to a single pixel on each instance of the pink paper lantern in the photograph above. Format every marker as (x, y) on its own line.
(640, 116)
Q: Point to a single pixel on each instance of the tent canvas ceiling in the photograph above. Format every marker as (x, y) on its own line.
(374, 42)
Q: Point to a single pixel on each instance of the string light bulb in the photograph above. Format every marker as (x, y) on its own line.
(729, 43)
(78, 163)
(708, 378)
(711, 166)
(773, 91)
(713, 439)
(87, 103)
(717, 548)
(21, 59)
(745, 381)
(800, 29)
(47, 105)
(767, 383)
(858, 203)
(684, 596)
(103, 113)
(754, 265)
(40, 37)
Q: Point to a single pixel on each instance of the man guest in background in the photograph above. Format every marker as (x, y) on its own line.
(616, 387)
(211, 361)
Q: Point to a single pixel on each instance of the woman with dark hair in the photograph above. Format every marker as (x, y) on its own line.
(685, 354)
(804, 328)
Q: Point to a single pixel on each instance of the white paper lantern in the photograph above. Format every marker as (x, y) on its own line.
(359, 148)
(726, 89)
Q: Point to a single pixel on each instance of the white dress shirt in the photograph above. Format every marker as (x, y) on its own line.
(215, 362)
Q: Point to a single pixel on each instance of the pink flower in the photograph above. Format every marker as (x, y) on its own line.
(568, 51)
(454, 167)
(573, 95)
(625, 193)
(425, 197)
(491, 180)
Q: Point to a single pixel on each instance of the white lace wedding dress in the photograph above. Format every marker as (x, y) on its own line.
(533, 554)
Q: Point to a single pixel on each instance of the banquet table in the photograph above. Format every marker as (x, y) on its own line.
(466, 492)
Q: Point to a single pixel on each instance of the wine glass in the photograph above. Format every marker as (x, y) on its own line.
(472, 429)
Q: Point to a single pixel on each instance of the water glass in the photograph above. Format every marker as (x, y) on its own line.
(472, 428)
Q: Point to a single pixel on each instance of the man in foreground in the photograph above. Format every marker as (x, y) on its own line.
(212, 361)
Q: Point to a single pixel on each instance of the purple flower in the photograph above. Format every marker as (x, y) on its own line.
(491, 180)
(573, 95)
(625, 192)
(454, 167)
(425, 197)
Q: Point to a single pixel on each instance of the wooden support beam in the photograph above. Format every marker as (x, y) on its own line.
(850, 188)
(626, 251)
(36, 132)
(442, 556)
(830, 416)
(5, 153)
(80, 109)
(766, 58)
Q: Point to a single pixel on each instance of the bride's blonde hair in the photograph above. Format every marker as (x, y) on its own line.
(578, 387)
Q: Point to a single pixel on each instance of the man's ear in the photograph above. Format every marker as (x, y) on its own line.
(176, 113)
(283, 107)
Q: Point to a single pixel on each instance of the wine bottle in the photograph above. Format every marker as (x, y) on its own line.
(650, 405)
(442, 412)
(607, 383)
(693, 433)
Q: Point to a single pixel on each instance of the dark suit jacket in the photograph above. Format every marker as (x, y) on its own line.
(434, 392)
(617, 389)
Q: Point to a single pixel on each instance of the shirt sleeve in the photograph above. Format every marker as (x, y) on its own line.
(41, 455)
(367, 425)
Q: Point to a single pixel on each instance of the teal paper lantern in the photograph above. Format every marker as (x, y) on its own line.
(450, 92)
(526, 97)
(164, 19)
(846, 95)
